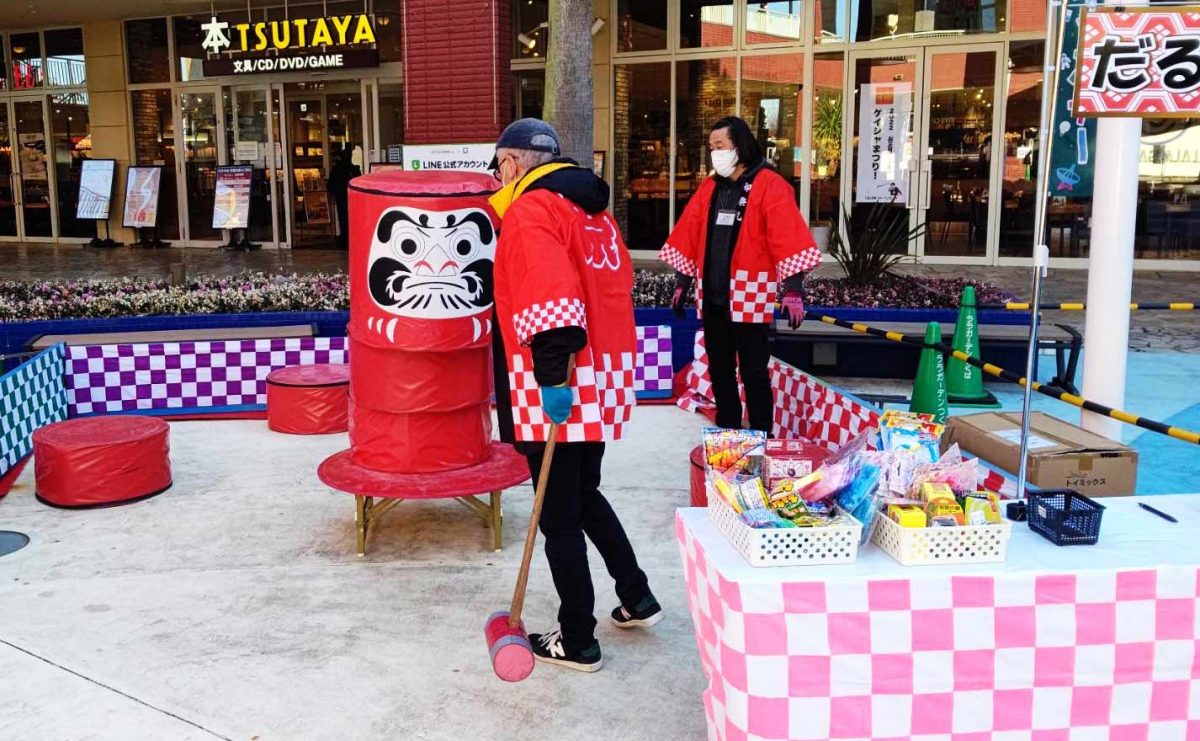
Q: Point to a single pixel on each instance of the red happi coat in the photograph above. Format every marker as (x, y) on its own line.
(559, 266)
(773, 244)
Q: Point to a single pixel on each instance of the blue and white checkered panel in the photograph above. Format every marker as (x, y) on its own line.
(31, 395)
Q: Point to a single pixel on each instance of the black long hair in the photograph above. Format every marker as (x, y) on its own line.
(749, 153)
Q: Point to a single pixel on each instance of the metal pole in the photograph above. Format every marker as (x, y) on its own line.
(1055, 24)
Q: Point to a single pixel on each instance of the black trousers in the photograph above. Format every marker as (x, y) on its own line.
(735, 347)
(572, 508)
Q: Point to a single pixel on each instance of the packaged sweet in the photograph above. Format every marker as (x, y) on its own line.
(943, 507)
(908, 431)
(752, 495)
(982, 508)
(906, 515)
(810, 520)
(962, 476)
(734, 453)
(943, 521)
(819, 508)
(726, 491)
(931, 491)
(764, 518)
(790, 459)
(794, 507)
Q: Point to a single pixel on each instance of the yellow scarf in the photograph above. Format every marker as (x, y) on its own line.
(504, 198)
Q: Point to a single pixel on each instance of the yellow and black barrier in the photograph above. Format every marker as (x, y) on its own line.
(1076, 306)
(1148, 424)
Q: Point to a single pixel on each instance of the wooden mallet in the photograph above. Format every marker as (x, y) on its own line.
(508, 643)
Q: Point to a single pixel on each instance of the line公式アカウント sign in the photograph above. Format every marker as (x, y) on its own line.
(1139, 62)
(293, 45)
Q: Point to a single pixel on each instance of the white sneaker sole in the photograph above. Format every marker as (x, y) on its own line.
(648, 622)
(587, 668)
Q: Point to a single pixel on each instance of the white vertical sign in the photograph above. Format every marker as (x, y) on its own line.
(883, 123)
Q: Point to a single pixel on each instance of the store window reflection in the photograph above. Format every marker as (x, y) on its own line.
(773, 105)
(72, 145)
(641, 135)
(825, 171)
(530, 28)
(888, 19)
(147, 50)
(1021, 126)
(154, 145)
(642, 25)
(1027, 15)
(198, 113)
(1168, 219)
(64, 58)
(830, 22)
(247, 143)
(26, 51)
(188, 47)
(705, 23)
(774, 23)
(528, 93)
(705, 91)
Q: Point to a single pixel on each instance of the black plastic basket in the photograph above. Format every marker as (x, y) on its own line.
(1065, 517)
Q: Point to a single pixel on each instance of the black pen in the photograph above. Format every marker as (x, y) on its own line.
(1160, 513)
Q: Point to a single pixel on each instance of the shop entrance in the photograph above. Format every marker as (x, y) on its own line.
(26, 194)
(920, 134)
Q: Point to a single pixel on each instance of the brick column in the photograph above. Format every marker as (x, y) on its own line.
(456, 68)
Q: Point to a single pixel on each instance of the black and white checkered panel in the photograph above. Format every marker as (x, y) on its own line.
(31, 395)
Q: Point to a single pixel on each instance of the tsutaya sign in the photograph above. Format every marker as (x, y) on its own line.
(295, 44)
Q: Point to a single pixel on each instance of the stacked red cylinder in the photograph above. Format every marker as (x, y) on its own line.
(421, 251)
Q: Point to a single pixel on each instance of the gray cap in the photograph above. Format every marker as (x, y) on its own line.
(528, 133)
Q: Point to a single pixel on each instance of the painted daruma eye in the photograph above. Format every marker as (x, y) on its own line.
(463, 247)
(408, 247)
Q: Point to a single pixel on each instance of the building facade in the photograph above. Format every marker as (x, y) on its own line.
(924, 110)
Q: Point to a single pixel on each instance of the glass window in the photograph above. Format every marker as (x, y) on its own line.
(8, 201)
(64, 58)
(704, 92)
(1021, 124)
(705, 23)
(247, 143)
(1168, 219)
(1027, 15)
(529, 88)
(773, 104)
(26, 60)
(72, 144)
(154, 144)
(188, 49)
(642, 25)
(3, 66)
(830, 26)
(530, 24)
(35, 179)
(198, 114)
(388, 38)
(642, 151)
(871, 19)
(391, 120)
(772, 23)
(829, 72)
(146, 48)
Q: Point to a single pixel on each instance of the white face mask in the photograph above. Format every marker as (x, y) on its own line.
(724, 160)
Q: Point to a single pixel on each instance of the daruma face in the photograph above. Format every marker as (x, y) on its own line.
(432, 264)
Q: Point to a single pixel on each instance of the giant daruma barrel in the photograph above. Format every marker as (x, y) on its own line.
(421, 250)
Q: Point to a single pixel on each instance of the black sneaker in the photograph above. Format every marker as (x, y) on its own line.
(647, 613)
(549, 648)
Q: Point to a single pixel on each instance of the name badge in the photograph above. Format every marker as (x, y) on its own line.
(725, 218)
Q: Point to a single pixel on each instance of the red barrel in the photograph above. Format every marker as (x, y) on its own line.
(308, 399)
(421, 251)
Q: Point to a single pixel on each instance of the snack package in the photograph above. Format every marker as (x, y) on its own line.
(909, 431)
(764, 518)
(982, 508)
(962, 476)
(942, 507)
(734, 454)
(931, 491)
(751, 495)
(726, 491)
(790, 460)
(907, 515)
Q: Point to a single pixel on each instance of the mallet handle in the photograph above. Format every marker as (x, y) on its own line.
(539, 494)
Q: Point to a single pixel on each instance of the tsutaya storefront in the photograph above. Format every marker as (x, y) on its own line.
(284, 90)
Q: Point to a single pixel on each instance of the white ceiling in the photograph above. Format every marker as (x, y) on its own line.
(18, 14)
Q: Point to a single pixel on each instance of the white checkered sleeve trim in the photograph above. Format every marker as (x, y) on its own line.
(562, 312)
(677, 260)
(798, 263)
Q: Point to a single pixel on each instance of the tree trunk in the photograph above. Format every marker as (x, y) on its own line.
(568, 103)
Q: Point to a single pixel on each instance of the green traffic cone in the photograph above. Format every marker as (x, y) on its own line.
(929, 390)
(964, 382)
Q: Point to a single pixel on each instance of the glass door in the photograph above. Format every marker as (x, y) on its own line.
(881, 186)
(957, 173)
(9, 183)
(249, 140)
(34, 184)
(200, 123)
(312, 219)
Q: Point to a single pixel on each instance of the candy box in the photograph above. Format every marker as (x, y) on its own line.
(734, 453)
(791, 459)
(931, 491)
(940, 509)
(982, 508)
(906, 515)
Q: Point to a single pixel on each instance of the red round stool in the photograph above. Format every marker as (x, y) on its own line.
(101, 461)
(308, 399)
(699, 495)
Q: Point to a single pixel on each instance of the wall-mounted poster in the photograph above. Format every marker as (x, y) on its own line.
(316, 207)
(95, 189)
(33, 157)
(883, 126)
(141, 196)
(231, 201)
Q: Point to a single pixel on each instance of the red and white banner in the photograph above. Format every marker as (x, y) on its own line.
(1139, 63)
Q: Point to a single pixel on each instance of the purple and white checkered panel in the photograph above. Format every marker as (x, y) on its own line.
(105, 379)
(653, 372)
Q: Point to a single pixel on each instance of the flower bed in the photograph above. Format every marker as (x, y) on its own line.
(257, 292)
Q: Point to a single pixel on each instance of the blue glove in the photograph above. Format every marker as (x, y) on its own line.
(556, 402)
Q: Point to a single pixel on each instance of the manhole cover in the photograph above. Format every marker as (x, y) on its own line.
(12, 541)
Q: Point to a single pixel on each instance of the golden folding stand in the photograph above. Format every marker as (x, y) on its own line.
(368, 512)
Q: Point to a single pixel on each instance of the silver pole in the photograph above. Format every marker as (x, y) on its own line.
(1056, 20)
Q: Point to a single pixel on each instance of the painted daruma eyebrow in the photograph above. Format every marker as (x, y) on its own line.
(478, 218)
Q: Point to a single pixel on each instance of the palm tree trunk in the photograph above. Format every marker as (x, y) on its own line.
(568, 102)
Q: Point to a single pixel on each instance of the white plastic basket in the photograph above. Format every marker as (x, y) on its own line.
(786, 546)
(925, 546)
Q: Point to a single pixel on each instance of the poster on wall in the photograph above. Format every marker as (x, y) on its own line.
(33, 157)
(883, 126)
(231, 201)
(316, 207)
(95, 189)
(141, 196)
(472, 157)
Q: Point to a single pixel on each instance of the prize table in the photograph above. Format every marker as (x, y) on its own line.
(1074, 642)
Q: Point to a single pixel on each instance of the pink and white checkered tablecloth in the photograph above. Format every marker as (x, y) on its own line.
(1098, 642)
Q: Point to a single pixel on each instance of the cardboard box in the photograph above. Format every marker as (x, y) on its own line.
(1061, 455)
